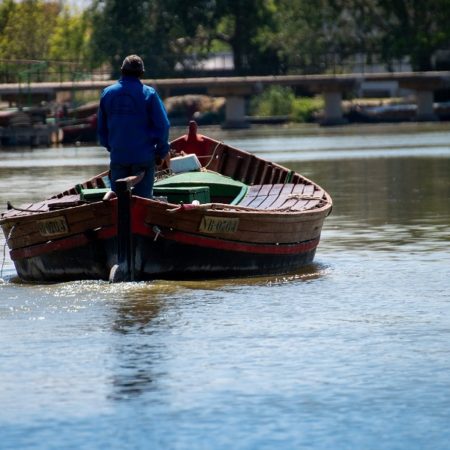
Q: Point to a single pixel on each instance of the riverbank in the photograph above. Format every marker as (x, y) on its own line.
(37, 127)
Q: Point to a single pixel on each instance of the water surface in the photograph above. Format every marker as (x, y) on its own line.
(350, 353)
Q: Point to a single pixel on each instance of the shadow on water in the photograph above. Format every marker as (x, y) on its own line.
(136, 317)
(140, 313)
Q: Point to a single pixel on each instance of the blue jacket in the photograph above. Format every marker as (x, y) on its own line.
(132, 122)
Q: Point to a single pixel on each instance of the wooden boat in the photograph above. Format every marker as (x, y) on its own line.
(219, 211)
(78, 124)
(25, 127)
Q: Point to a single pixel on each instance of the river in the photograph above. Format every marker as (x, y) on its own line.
(350, 353)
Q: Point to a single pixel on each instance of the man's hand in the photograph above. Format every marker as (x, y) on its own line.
(160, 162)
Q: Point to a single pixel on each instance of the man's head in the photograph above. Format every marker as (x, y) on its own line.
(133, 66)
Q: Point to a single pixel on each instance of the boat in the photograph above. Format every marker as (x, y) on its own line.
(217, 211)
(26, 127)
(79, 124)
(83, 130)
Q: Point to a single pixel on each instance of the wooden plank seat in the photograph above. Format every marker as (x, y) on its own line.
(65, 202)
(47, 205)
(285, 197)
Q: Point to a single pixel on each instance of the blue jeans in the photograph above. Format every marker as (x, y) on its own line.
(145, 187)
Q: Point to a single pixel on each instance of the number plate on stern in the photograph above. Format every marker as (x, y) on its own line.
(218, 225)
(53, 227)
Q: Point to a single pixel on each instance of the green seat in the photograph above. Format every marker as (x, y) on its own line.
(183, 194)
(221, 188)
(93, 194)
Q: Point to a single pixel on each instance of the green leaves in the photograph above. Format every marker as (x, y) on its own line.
(26, 29)
(264, 36)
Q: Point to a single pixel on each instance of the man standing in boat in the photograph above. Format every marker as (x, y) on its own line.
(133, 126)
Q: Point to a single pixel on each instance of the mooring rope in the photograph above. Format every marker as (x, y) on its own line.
(11, 206)
(4, 250)
(213, 154)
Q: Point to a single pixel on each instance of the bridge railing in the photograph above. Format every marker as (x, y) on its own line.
(30, 71)
(12, 71)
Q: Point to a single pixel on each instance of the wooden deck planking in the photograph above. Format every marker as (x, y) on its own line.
(251, 195)
(272, 197)
(317, 200)
(283, 196)
(26, 210)
(301, 203)
(64, 202)
(288, 196)
(291, 200)
(262, 195)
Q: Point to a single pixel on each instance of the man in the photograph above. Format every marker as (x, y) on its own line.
(133, 126)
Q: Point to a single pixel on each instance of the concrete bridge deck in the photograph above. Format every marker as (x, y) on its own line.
(235, 89)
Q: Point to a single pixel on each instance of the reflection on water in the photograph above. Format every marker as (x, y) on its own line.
(135, 358)
(136, 311)
(349, 352)
(375, 193)
(140, 313)
(348, 143)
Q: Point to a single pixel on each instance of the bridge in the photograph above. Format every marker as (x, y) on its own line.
(237, 89)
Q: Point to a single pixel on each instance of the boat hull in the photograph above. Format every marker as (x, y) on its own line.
(84, 262)
(162, 259)
(174, 260)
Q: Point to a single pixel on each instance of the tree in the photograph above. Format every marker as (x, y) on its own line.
(245, 25)
(26, 29)
(122, 27)
(70, 40)
(303, 37)
(414, 28)
(166, 32)
(6, 9)
(390, 29)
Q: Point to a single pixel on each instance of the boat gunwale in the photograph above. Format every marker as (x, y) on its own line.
(210, 208)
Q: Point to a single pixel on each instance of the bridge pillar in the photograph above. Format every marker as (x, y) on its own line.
(333, 108)
(235, 113)
(425, 110)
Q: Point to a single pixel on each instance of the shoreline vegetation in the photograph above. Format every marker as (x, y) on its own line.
(63, 124)
(39, 126)
(281, 105)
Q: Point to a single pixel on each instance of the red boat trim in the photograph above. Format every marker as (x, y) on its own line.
(68, 243)
(140, 227)
(50, 246)
(177, 236)
(220, 244)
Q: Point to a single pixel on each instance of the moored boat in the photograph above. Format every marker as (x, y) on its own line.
(218, 211)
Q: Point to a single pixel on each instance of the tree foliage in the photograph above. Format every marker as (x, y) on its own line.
(390, 29)
(119, 28)
(169, 31)
(414, 28)
(70, 40)
(26, 27)
(264, 36)
(245, 26)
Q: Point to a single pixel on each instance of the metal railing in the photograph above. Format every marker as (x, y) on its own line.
(27, 71)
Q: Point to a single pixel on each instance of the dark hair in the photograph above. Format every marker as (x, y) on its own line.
(133, 66)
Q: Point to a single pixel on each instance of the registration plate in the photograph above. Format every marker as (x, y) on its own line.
(218, 225)
(53, 227)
